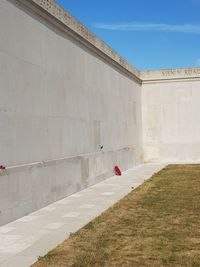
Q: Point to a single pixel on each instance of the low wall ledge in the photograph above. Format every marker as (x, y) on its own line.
(28, 166)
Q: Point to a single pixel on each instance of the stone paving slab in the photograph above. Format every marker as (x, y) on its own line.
(22, 241)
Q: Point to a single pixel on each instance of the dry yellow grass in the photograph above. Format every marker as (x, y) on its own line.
(156, 225)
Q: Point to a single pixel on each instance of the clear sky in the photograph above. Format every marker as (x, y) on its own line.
(150, 34)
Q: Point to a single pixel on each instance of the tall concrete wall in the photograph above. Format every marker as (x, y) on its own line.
(171, 115)
(62, 97)
(64, 94)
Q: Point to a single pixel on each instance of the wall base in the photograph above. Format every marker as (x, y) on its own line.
(27, 188)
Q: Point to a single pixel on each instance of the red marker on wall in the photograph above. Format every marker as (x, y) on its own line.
(2, 167)
(118, 171)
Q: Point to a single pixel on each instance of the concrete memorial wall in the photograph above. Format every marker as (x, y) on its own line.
(171, 115)
(70, 107)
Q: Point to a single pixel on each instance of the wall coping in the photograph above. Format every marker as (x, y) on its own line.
(71, 23)
(84, 35)
(170, 74)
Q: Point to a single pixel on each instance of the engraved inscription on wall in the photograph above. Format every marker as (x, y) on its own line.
(181, 72)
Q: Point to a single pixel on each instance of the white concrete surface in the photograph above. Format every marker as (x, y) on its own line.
(22, 241)
(60, 102)
(64, 94)
(171, 120)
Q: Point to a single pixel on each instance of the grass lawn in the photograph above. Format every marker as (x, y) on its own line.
(158, 224)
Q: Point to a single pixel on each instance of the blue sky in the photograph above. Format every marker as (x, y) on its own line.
(150, 34)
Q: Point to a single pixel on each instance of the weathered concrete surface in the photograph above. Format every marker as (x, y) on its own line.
(65, 94)
(22, 241)
(61, 100)
(27, 188)
(171, 117)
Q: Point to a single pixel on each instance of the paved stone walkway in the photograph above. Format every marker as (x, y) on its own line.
(22, 241)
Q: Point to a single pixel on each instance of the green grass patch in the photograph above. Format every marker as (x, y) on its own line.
(156, 225)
